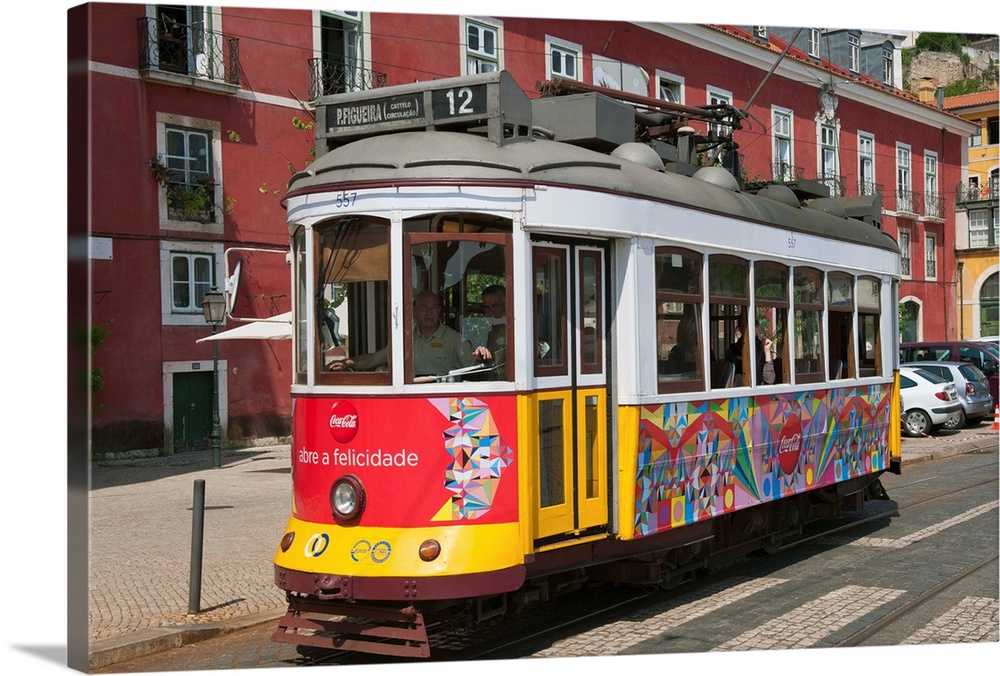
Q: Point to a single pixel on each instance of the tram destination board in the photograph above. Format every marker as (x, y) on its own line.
(470, 100)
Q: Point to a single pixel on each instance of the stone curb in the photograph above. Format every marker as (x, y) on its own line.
(109, 651)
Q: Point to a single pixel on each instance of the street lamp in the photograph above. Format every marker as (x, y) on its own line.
(214, 306)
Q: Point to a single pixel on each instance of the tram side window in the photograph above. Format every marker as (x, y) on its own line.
(679, 340)
(461, 327)
(869, 320)
(728, 307)
(841, 328)
(808, 295)
(771, 300)
(352, 300)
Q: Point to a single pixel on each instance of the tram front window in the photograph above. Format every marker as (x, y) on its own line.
(459, 264)
(352, 299)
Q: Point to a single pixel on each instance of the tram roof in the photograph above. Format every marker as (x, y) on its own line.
(437, 157)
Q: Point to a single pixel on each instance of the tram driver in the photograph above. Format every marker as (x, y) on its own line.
(437, 348)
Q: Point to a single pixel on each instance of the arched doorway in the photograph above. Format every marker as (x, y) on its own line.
(989, 306)
(909, 321)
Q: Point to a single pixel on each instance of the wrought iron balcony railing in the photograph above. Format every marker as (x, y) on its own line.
(967, 193)
(331, 76)
(869, 188)
(933, 205)
(171, 47)
(907, 202)
(836, 184)
(783, 172)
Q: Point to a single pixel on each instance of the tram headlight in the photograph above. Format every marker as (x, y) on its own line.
(286, 541)
(429, 550)
(347, 498)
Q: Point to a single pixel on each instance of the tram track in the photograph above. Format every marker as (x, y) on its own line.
(886, 621)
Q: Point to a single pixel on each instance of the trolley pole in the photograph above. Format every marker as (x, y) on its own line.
(197, 539)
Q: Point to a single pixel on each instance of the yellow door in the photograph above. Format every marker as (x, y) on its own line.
(569, 414)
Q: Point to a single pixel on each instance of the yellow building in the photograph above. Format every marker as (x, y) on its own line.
(976, 223)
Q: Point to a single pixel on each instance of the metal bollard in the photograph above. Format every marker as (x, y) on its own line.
(197, 531)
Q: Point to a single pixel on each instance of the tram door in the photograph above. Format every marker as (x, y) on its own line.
(570, 409)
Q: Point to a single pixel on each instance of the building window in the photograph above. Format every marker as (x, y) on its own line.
(887, 66)
(482, 48)
(979, 228)
(339, 68)
(989, 306)
(814, 42)
(191, 276)
(933, 206)
(976, 139)
(719, 97)
(829, 169)
(930, 256)
(189, 157)
(866, 164)
(781, 129)
(187, 271)
(904, 252)
(993, 131)
(669, 87)
(564, 59)
(854, 45)
(904, 194)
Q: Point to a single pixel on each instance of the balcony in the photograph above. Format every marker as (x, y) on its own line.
(869, 188)
(333, 76)
(933, 206)
(782, 172)
(906, 202)
(836, 184)
(190, 55)
(969, 194)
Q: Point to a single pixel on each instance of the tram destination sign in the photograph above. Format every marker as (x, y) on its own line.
(454, 102)
(407, 110)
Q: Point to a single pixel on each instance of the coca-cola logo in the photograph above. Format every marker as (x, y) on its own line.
(343, 421)
(790, 444)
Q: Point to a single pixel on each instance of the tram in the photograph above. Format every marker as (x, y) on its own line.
(679, 369)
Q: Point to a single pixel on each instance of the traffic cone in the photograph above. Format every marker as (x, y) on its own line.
(996, 419)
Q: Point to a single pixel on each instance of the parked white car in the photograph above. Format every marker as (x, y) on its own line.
(971, 385)
(931, 401)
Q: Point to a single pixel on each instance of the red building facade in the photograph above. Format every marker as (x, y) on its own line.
(228, 110)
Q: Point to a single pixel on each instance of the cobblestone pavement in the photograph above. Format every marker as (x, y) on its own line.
(140, 549)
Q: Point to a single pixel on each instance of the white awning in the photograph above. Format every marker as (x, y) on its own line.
(278, 327)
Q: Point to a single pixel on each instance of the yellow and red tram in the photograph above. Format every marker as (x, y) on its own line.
(685, 370)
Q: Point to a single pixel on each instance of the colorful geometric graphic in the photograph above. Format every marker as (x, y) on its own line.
(697, 460)
(479, 457)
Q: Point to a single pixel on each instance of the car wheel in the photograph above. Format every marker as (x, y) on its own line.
(956, 422)
(917, 423)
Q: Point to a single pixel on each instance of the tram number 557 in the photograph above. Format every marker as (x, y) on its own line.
(459, 102)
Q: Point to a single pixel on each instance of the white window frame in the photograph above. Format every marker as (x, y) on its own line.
(167, 250)
(866, 163)
(214, 129)
(828, 157)
(814, 37)
(480, 56)
(979, 228)
(782, 131)
(568, 51)
(930, 255)
(905, 248)
(887, 66)
(854, 48)
(904, 178)
(715, 96)
(665, 80)
(932, 198)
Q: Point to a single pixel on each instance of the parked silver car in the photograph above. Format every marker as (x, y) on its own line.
(931, 401)
(972, 386)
